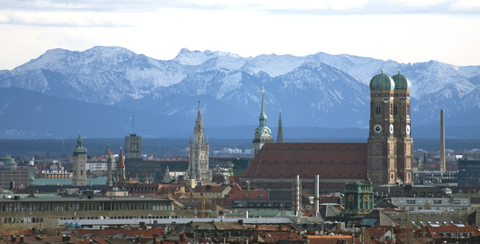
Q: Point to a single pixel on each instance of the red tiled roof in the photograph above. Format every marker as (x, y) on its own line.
(128, 233)
(235, 188)
(323, 239)
(210, 188)
(251, 195)
(329, 160)
(434, 232)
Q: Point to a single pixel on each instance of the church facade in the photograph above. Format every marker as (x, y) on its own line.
(390, 143)
(198, 163)
(386, 158)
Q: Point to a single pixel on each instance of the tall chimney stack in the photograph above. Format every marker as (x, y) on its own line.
(316, 199)
(442, 142)
(297, 196)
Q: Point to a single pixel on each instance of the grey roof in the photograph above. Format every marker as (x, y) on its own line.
(68, 181)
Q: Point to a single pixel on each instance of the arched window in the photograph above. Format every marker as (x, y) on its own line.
(81, 172)
(379, 110)
(391, 109)
(395, 110)
(75, 172)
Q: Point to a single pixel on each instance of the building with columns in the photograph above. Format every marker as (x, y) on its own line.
(79, 160)
(198, 162)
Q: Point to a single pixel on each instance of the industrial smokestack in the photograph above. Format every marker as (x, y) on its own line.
(297, 195)
(316, 199)
(442, 142)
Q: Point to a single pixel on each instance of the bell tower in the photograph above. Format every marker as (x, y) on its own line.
(389, 143)
(382, 150)
(79, 160)
(401, 113)
(263, 134)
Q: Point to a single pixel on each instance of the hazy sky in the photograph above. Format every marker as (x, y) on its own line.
(401, 30)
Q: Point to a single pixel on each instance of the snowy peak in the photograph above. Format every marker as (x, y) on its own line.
(96, 59)
(187, 57)
(273, 65)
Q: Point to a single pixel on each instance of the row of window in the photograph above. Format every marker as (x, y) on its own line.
(393, 110)
(20, 207)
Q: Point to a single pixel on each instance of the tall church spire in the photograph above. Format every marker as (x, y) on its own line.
(262, 133)
(280, 129)
(198, 163)
(198, 131)
(263, 117)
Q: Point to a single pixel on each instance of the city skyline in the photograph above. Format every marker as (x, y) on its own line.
(404, 31)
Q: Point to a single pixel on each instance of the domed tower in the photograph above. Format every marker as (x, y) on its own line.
(79, 160)
(382, 150)
(401, 114)
(263, 134)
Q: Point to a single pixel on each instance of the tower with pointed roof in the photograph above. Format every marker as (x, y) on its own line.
(109, 155)
(79, 161)
(389, 141)
(263, 134)
(280, 129)
(120, 167)
(198, 163)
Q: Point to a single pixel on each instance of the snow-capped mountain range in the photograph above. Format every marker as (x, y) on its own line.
(318, 90)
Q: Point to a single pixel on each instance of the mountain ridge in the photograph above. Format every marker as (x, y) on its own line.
(320, 90)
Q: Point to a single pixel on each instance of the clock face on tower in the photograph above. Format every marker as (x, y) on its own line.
(350, 198)
(366, 198)
(257, 132)
(266, 132)
(391, 128)
(407, 129)
(377, 128)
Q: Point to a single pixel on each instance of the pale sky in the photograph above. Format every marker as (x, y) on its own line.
(401, 30)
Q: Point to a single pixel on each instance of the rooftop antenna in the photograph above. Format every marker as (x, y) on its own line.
(133, 124)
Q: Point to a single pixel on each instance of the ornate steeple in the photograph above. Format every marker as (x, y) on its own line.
(262, 133)
(198, 131)
(79, 150)
(263, 117)
(121, 167)
(79, 159)
(280, 129)
(198, 164)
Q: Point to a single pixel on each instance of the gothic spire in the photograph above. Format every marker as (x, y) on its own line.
(199, 122)
(280, 129)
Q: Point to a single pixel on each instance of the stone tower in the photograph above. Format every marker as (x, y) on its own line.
(133, 149)
(262, 132)
(389, 141)
(109, 154)
(120, 167)
(280, 129)
(198, 163)
(401, 115)
(79, 160)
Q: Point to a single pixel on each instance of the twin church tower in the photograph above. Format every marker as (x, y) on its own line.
(389, 145)
(389, 142)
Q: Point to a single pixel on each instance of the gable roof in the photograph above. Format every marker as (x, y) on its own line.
(329, 160)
